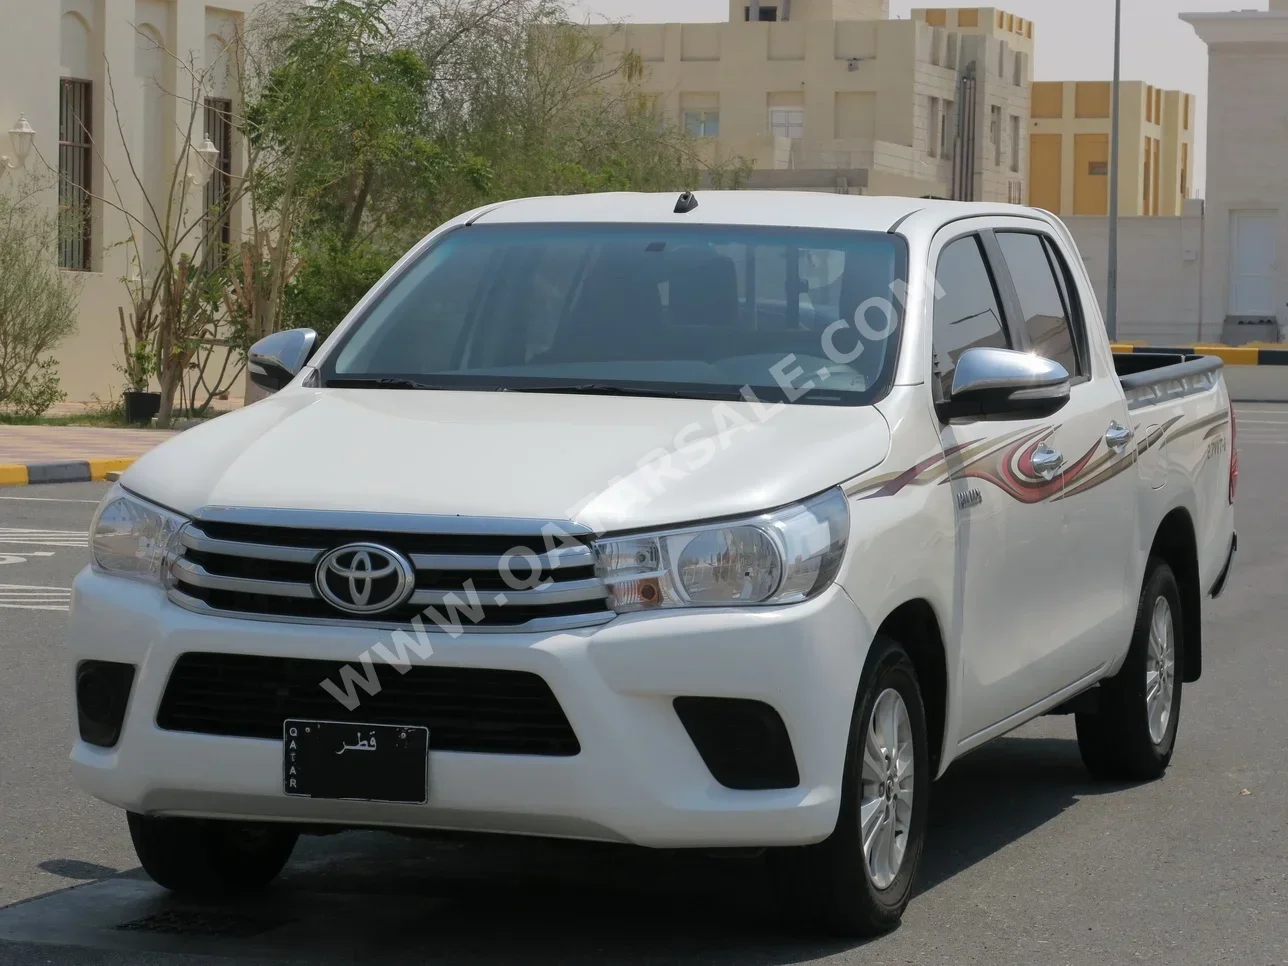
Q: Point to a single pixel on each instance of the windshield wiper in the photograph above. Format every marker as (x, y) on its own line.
(589, 388)
(608, 389)
(378, 382)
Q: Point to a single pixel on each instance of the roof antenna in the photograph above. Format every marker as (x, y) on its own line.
(685, 203)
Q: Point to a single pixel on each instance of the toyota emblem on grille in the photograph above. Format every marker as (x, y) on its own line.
(364, 578)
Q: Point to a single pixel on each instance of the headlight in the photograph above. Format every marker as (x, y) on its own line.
(781, 557)
(132, 537)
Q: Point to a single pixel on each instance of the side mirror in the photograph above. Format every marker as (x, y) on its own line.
(1005, 383)
(278, 358)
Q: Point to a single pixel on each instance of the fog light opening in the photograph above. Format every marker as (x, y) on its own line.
(102, 694)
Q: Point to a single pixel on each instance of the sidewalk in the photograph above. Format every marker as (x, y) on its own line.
(52, 454)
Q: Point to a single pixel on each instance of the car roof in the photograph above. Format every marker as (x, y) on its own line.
(787, 209)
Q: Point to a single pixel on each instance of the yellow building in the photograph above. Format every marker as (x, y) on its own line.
(1069, 148)
(833, 95)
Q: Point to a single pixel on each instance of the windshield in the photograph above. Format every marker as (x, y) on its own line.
(693, 311)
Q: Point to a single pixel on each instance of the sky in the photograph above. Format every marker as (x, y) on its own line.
(1074, 39)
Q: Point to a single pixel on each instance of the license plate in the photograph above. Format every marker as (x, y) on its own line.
(356, 762)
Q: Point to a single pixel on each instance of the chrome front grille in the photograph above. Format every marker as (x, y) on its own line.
(239, 564)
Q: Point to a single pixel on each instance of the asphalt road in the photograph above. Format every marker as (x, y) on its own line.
(1028, 862)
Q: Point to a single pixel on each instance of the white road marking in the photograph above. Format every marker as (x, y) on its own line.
(32, 597)
(46, 499)
(44, 538)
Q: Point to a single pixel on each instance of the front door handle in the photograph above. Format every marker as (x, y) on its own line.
(1118, 436)
(1047, 461)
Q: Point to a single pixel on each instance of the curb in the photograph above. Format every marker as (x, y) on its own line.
(66, 471)
(1230, 355)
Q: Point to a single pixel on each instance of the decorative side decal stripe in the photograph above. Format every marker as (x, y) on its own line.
(1007, 463)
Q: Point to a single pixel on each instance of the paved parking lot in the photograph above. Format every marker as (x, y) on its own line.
(1028, 860)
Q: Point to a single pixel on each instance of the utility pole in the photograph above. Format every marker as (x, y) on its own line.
(1111, 295)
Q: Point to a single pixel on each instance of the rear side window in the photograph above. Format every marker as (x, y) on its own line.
(1037, 273)
(967, 313)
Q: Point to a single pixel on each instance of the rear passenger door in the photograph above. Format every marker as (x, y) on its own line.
(1093, 519)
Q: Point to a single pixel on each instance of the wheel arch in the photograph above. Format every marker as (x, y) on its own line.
(1175, 543)
(915, 626)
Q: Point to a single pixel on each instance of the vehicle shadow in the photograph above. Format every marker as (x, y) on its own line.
(374, 896)
(996, 796)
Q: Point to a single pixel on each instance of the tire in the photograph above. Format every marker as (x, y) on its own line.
(1132, 736)
(832, 887)
(210, 858)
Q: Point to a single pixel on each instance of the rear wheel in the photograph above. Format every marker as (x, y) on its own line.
(206, 857)
(1133, 734)
(858, 881)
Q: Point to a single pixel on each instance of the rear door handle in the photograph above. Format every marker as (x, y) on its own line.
(1047, 461)
(1118, 436)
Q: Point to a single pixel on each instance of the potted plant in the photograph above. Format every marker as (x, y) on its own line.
(141, 405)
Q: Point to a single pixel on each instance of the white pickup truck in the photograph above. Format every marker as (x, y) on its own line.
(714, 521)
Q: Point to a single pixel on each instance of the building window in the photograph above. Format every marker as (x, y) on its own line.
(1019, 69)
(787, 122)
(218, 233)
(702, 124)
(995, 133)
(945, 145)
(1149, 179)
(1015, 142)
(933, 132)
(75, 182)
(767, 14)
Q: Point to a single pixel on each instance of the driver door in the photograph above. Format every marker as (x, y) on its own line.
(1008, 612)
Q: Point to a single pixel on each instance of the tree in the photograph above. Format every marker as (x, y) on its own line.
(179, 266)
(37, 302)
(373, 121)
(330, 115)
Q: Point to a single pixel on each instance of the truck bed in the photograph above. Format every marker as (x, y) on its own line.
(1149, 378)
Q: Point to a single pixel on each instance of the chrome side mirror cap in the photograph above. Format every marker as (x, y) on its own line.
(1004, 382)
(278, 358)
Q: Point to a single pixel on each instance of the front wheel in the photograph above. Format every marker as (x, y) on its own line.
(1133, 734)
(206, 857)
(858, 881)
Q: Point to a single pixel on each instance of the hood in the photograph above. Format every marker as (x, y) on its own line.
(608, 462)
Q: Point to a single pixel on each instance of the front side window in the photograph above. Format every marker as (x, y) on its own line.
(691, 311)
(1042, 300)
(967, 313)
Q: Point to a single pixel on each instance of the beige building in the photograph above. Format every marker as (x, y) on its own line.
(1245, 280)
(833, 95)
(1069, 148)
(56, 60)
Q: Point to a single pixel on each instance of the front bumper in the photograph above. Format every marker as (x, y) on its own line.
(638, 777)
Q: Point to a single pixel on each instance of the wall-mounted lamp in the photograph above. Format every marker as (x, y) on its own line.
(208, 157)
(23, 136)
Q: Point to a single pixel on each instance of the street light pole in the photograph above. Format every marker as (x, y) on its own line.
(1111, 295)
